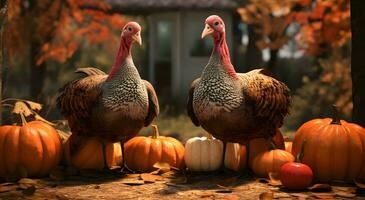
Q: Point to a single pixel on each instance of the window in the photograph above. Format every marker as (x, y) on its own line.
(199, 47)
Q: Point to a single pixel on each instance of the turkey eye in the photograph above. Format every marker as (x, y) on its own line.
(129, 29)
(216, 23)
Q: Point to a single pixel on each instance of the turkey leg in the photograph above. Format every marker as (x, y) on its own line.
(125, 168)
(106, 168)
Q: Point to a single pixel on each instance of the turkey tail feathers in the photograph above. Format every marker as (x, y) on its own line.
(89, 71)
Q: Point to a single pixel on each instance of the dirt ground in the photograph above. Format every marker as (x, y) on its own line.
(165, 185)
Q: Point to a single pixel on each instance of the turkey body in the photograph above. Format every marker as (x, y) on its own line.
(113, 109)
(237, 108)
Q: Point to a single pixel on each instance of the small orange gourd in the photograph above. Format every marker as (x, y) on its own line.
(141, 153)
(270, 161)
(90, 154)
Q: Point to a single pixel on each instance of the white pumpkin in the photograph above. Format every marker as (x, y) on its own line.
(203, 153)
(235, 157)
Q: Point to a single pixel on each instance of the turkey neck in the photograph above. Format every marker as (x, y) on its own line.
(123, 65)
(124, 84)
(220, 56)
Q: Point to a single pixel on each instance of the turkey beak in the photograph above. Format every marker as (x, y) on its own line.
(137, 37)
(207, 31)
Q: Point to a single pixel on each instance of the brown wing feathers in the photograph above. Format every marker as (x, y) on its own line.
(153, 106)
(271, 97)
(76, 99)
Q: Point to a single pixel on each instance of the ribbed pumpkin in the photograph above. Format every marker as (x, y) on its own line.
(34, 146)
(235, 157)
(288, 146)
(141, 153)
(203, 153)
(270, 161)
(335, 149)
(260, 145)
(90, 155)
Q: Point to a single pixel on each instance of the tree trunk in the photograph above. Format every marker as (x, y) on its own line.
(254, 54)
(271, 65)
(3, 18)
(37, 73)
(357, 61)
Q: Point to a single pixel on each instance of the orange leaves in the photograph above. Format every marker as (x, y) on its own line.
(270, 18)
(59, 26)
(325, 24)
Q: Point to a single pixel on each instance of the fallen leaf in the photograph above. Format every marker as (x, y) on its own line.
(266, 196)
(179, 180)
(27, 181)
(6, 184)
(133, 175)
(320, 188)
(345, 194)
(281, 195)
(7, 188)
(324, 196)
(21, 108)
(300, 195)
(97, 187)
(23, 186)
(359, 185)
(33, 105)
(274, 179)
(29, 191)
(163, 167)
(133, 182)
(150, 178)
(170, 174)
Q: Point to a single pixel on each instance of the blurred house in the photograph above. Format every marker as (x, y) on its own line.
(175, 53)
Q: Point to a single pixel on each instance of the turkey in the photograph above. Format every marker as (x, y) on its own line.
(235, 107)
(115, 106)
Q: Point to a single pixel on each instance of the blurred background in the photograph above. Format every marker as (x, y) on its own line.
(304, 43)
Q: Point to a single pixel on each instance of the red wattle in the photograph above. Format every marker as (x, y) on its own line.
(220, 46)
(124, 51)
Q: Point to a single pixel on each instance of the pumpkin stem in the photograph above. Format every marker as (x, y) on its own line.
(155, 133)
(24, 121)
(300, 155)
(335, 118)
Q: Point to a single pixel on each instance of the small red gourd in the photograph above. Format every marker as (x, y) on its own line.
(296, 175)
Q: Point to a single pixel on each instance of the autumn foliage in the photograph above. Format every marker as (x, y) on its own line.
(56, 27)
(324, 24)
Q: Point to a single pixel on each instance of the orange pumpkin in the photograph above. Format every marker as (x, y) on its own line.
(34, 146)
(270, 161)
(235, 157)
(141, 153)
(288, 146)
(260, 145)
(90, 155)
(335, 149)
(256, 147)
